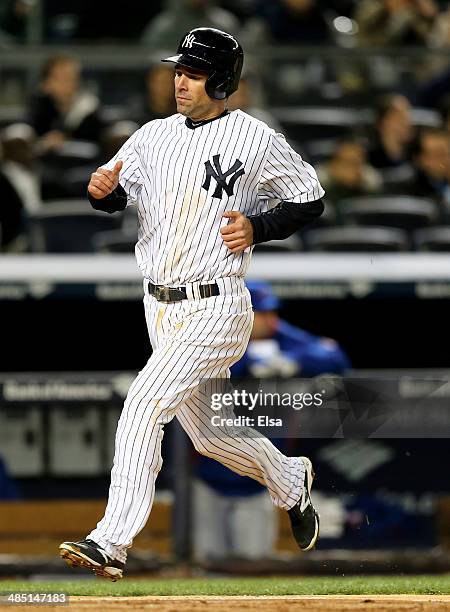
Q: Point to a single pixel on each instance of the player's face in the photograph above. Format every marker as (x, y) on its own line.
(190, 94)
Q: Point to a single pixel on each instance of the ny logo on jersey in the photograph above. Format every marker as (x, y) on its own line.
(187, 42)
(220, 177)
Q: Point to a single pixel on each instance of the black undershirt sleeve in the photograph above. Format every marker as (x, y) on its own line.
(115, 201)
(283, 220)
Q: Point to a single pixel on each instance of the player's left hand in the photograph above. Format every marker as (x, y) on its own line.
(238, 234)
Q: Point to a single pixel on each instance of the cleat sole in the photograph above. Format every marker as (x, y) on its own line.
(75, 558)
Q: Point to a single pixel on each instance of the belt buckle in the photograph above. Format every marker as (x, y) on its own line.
(162, 294)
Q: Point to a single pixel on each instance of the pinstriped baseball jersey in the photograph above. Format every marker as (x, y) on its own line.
(183, 179)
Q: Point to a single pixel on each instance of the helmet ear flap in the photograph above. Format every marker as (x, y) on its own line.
(217, 85)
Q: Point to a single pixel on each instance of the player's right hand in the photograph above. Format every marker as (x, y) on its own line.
(103, 181)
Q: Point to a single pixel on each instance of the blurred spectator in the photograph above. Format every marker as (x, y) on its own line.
(445, 112)
(243, 9)
(440, 35)
(431, 157)
(19, 185)
(13, 18)
(61, 109)
(249, 98)
(389, 152)
(348, 174)
(114, 137)
(73, 183)
(180, 16)
(395, 22)
(234, 516)
(289, 21)
(18, 142)
(435, 88)
(158, 100)
(277, 348)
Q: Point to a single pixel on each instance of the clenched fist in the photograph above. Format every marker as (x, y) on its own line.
(238, 234)
(103, 181)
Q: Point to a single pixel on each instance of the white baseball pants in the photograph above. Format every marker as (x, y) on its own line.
(192, 340)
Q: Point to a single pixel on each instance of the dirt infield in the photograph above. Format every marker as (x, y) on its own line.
(315, 603)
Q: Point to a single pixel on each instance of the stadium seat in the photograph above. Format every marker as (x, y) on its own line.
(310, 123)
(115, 112)
(404, 212)
(76, 180)
(291, 244)
(320, 150)
(68, 227)
(12, 114)
(114, 241)
(397, 178)
(425, 117)
(66, 171)
(73, 153)
(432, 239)
(357, 239)
(326, 219)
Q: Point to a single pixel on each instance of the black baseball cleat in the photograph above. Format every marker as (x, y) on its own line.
(87, 553)
(304, 517)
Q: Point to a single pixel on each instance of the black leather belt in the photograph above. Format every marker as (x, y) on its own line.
(176, 294)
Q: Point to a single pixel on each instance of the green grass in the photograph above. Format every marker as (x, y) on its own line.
(336, 585)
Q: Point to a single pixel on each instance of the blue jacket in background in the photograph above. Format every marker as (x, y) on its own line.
(8, 488)
(314, 356)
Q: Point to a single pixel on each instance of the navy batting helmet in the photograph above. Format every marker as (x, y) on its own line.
(263, 297)
(215, 52)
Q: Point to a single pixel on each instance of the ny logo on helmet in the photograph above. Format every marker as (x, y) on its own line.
(220, 177)
(187, 42)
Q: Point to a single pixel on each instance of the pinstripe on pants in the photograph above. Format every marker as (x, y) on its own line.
(192, 340)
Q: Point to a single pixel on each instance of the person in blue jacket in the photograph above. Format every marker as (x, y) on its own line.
(233, 515)
(278, 348)
(8, 488)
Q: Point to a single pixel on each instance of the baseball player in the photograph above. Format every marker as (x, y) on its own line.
(208, 185)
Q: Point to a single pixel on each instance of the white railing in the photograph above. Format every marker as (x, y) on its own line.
(280, 266)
